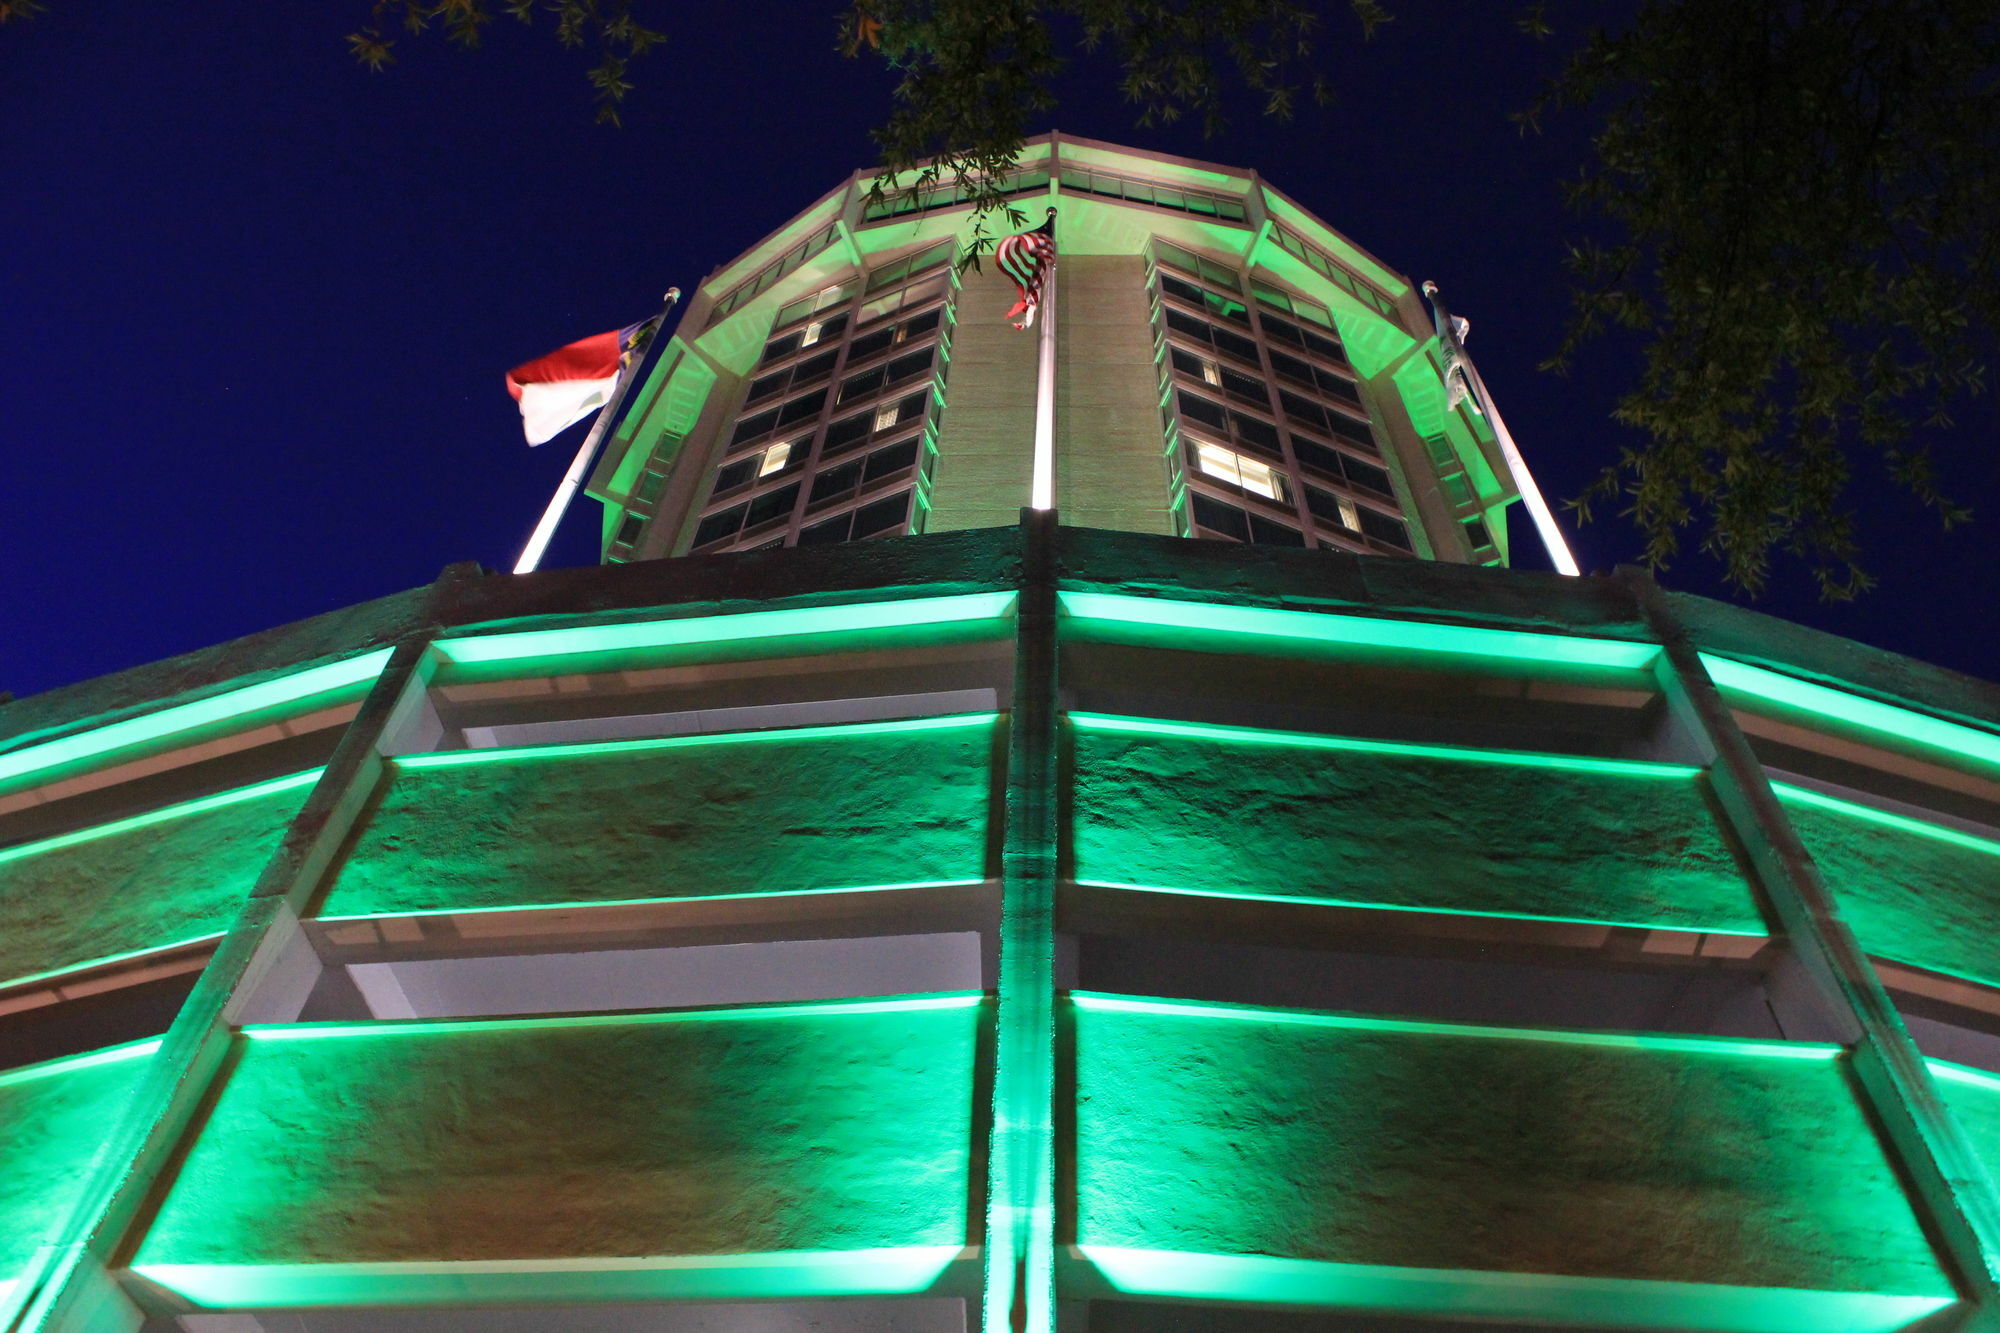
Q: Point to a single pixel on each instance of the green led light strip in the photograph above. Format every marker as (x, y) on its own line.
(1900, 724)
(391, 1027)
(593, 905)
(108, 960)
(69, 1064)
(1599, 1302)
(1098, 1001)
(234, 796)
(779, 1274)
(1360, 631)
(1254, 896)
(831, 731)
(1631, 768)
(1957, 1073)
(526, 645)
(185, 717)
(1903, 823)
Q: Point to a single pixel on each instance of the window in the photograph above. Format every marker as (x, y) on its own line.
(1243, 388)
(910, 265)
(818, 301)
(1214, 303)
(1476, 534)
(1181, 199)
(822, 330)
(1358, 474)
(720, 527)
(773, 459)
(650, 486)
(1333, 508)
(628, 529)
(800, 409)
(1292, 305)
(1304, 412)
(1222, 340)
(1230, 521)
(1331, 383)
(886, 517)
(1249, 474)
(1385, 529)
(1237, 425)
(837, 481)
(804, 373)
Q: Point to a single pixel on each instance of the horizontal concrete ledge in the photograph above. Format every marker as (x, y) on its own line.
(782, 1274)
(1111, 1271)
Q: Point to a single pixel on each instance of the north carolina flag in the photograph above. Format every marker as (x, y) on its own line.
(558, 390)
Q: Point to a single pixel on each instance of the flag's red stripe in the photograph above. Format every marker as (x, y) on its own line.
(592, 358)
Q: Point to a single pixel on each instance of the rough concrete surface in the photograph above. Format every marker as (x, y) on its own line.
(1441, 834)
(144, 888)
(827, 1130)
(768, 815)
(1461, 1152)
(50, 1130)
(1909, 898)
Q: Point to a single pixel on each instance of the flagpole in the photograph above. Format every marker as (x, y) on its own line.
(1517, 466)
(1042, 487)
(572, 482)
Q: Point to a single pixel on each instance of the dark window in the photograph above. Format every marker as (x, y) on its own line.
(1187, 363)
(1368, 477)
(860, 386)
(764, 388)
(799, 409)
(1187, 324)
(1303, 410)
(779, 347)
(1476, 533)
(1321, 345)
(911, 407)
(1291, 368)
(1354, 432)
(751, 427)
(827, 533)
(847, 431)
(1186, 291)
(882, 515)
(1326, 505)
(923, 323)
(893, 459)
(1200, 409)
(813, 368)
(1284, 332)
(1319, 457)
(1241, 386)
(1235, 344)
(1385, 529)
(913, 363)
(869, 344)
(737, 474)
(767, 507)
(1219, 517)
(717, 526)
(1337, 386)
(1266, 533)
(836, 481)
(1252, 431)
(628, 531)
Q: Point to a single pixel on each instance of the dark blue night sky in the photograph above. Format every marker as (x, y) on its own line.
(257, 302)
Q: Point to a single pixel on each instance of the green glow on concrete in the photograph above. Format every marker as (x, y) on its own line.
(527, 645)
(831, 731)
(831, 808)
(166, 722)
(1598, 1302)
(1886, 720)
(1901, 823)
(776, 1275)
(1313, 900)
(69, 1064)
(642, 902)
(161, 815)
(1957, 1073)
(711, 1141)
(902, 1004)
(1360, 631)
(1631, 768)
(1099, 1002)
(109, 960)
(1973, 1096)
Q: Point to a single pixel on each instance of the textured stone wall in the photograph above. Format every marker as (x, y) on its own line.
(1177, 812)
(764, 815)
(1368, 1146)
(824, 1129)
(1909, 898)
(1976, 1107)
(51, 1126)
(986, 440)
(144, 888)
(1109, 437)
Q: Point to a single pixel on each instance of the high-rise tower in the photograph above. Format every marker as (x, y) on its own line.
(1228, 367)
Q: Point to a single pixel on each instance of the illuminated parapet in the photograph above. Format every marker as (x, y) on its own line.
(1020, 929)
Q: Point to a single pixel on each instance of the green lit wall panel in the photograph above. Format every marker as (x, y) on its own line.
(1913, 893)
(1210, 814)
(163, 878)
(1381, 1150)
(611, 1145)
(1974, 1098)
(53, 1118)
(823, 808)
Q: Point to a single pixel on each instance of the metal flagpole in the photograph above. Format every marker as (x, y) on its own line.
(1042, 488)
(572, 482)
(1457, 359)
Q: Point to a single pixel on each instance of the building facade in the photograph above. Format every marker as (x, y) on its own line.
(1228, 367)
(1015, 925)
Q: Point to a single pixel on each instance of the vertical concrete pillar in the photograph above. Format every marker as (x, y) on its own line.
(1019, 1242)
(1952, 1190)
(71, 1288)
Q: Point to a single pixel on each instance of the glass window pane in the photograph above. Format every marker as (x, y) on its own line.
(882, 516)
(1219, 517)
(774, 505)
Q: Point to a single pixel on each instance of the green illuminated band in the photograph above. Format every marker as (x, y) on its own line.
(830, 731)
(388, 1027)
(1957, 1073)
(167, 722)
(1098, 1002)
(1316, 900)
(1901, 823)
(1359, 631)
(1886, 720)
(69, 1064)
(780, 1274)
(526, 645)
(1594, 1301)
(762, 895)
(197, 806)
(110, 960)
(1631, 768)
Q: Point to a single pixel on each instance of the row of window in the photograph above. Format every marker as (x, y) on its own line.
(1247, 525)
(1320, 262)
(1178, 198)
(868, 383)
(902, 203)
(814, 334)
(748, 290)
(1234, 344)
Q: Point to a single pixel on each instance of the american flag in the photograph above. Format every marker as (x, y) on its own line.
(1027, 259)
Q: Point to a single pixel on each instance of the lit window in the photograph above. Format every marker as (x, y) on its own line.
(811, 335)
(1232, 467)
(774, 458)
(1212, 373)
(1350, 517)
(885, 416)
